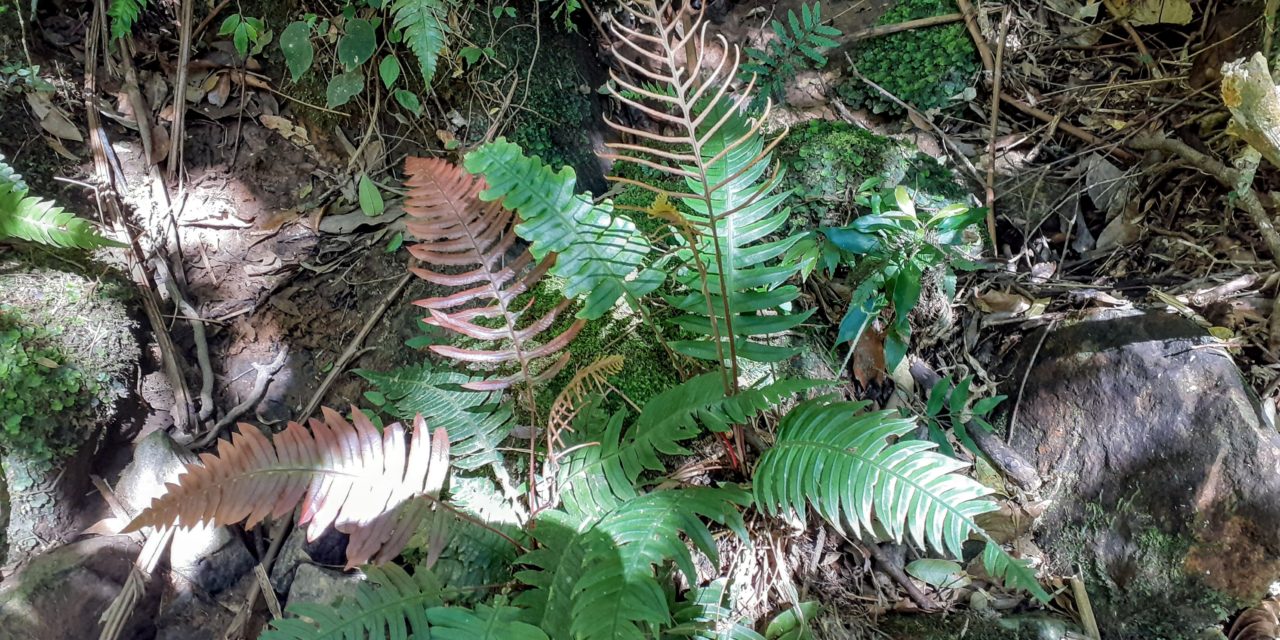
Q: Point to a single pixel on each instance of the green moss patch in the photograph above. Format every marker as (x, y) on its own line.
(923, 67)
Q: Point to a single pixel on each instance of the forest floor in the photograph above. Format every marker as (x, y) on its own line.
(294, 287)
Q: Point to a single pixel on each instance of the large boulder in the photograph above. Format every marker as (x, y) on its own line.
(1164, 479)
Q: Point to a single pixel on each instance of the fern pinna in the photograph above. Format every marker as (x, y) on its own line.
(859, 473)
(375, 486)
(735, 272)
(473, 239)
(29, 218)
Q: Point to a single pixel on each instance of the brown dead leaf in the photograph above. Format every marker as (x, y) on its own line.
(52, 118)
(285, 127)
(221, 90)
(159, 143)
(1140, 12)
(999, 301)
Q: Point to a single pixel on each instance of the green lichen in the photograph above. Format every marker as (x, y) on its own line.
(1128, 564)
(923, 67)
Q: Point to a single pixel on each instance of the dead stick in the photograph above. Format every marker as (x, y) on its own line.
(1066, 126)
(1144, 55)
(991, 141)
(919, 23)
(180, 92)
(1087, 620)
(260, 384)
(894, 570)
(971, 21)
(340, 365)
(1246, 198)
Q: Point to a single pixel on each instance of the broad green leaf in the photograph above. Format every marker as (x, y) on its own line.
(409, 101)
(229, 25)
(942, 574)
(357, 43)
(343, 87)
(299, 53)
(370, 197)
(389, 71)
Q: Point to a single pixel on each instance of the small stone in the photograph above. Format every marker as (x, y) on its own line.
(318, 585)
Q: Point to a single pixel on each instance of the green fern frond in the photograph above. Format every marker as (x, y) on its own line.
(797, 45)
(595, 577)
(739, 258)
(708, 613)
(476, 422)
(390, 605)
(597, 250)
(423, 25)
(29, 218)
(484, 622)
(843, 463)
(595, 479)
(124, 14)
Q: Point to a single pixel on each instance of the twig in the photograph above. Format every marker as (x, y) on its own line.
(202, 348)
(260, 384)
(204, 22)
(971, 22)
(178, 134)
(1143, 54)
(1246, 197)
(1085, 609)
(919, 23)
(1017, 402)
(354, 347)
(894, 570)
(1067, 126)
(369, 131)
(1008, 462)
(991, 140)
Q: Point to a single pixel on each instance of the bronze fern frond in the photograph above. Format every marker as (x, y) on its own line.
(472, 240)
(374, 486)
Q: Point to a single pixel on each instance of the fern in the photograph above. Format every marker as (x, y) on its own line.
(364, 483)
(595, 577)
(29, 218)
(423, 25)
(736, 276)
(475, 421)
(485, 622)
(457, 229)
(380, 609)
(595, 479)
(598, 251)
(795, 47)
(124, 14)
(843, 464)
(708, 613)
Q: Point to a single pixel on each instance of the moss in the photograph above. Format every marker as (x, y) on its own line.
(66, 351)
(922, 67)
(972, 626)
(825, 162)
(552, 109)
(1128, 563)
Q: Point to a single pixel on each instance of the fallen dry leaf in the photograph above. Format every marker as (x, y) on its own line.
(285, 127)
(999, 301)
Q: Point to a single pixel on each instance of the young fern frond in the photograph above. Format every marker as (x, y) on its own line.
(790, 51)
(736, 274)
(391, 604)
(374, 486)
(29, 218)
(707, 612)
(858, 471)
(124, 14)
(599, 253)
(457, 229)
(484, 622)
(423, 25)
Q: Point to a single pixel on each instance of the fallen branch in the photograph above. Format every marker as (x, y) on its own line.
(1246, 197)
(1067, 127)
(1254, 101)
(971, 22)
(178, 135)
(893, 568)
(259, 390)
(919, 23)
(991, 139)
(202, 348)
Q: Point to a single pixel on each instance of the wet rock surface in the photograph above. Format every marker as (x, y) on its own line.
(1163, 477)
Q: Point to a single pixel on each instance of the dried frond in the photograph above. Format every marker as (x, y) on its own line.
(592, 378)
(457, 229)
(367, 484)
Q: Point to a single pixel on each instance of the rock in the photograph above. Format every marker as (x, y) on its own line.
(1164, 483)
(61, 594)
(318, 585)
(157, 460)
(329, 549)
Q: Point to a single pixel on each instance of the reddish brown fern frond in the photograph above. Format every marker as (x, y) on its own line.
(593, 378)
(374, 486)
(1258, 623)
(473, 238)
